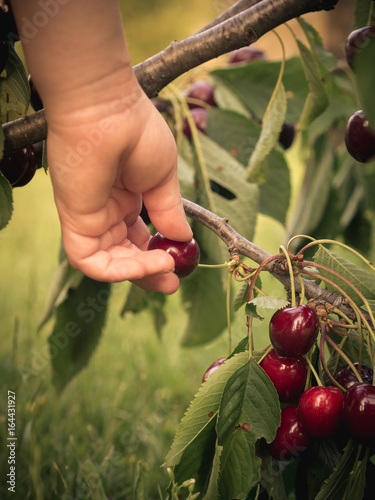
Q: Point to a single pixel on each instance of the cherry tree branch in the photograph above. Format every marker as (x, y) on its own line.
(242, 24)
(237, 243)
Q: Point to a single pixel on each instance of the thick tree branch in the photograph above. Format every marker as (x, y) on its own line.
(243, 28)
(235, 241)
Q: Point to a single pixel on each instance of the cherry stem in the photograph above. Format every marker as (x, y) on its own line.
(344, 356)
(230, 271)
(331, 242)
(352, 303)
(302, 284)
(291, 275)
(323, 337)
(317, 378)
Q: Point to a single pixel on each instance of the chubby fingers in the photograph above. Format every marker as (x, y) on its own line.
(166, 211)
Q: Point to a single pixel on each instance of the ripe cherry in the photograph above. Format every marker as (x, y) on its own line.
(288, 375)
(356, 41)
(347, 378)
(293, 330)
(185, 254)
(286, 136)
(30, 169)
(360, 137)
(201, 91)
(320, 410)
(291, 438)
(246, 54)
(212, 368)
(199, 116)
(359, 411)
(14, 165)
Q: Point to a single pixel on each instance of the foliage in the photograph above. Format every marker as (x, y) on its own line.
(238, 170)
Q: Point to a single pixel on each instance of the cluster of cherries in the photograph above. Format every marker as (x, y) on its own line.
(200, 97)
(317, 412)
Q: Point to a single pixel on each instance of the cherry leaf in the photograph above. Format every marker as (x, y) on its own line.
(6, 201)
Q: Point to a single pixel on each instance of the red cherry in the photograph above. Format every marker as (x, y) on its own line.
(199, 116)
(201, 91)
(288, 375)
(291, 438)
(359, 411)
(212, 368)
(246, 54)
(356, 41)
(347, 378)
(14, 165)
(293, 330)
(185, 253)
(320, 410)
(30, 169)
(360, 137)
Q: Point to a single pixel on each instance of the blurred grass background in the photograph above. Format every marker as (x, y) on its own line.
(124, 407)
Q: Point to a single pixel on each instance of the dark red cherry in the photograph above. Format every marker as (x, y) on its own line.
(320, 410)
(201, 91)
(199, 116)
(360, 137)
(346, 377)
(356, 41)
(359, 411)
(293, 330)
(212, 368)
(288, 375)
(14, 165)
(291, 438)
(286, 136)
(185, 254)
(246, 54)
(30, 169)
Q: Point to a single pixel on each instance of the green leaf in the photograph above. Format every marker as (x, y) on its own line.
(254, 84)
(202, 409)
(361, 13)
(226, 171)
(204, 299)
(6, 201)
(362, 279)
(275, 192)
(93, 480)
(138, 300)
(15, 90)
(212, 492)
(1, 142)
(273, 120)
(269, 302)
(234, 132)
(79, 322)
(327, 59)
(251, 311)
(240, 297)
(317, 99)
(336, 486)
(249, 399)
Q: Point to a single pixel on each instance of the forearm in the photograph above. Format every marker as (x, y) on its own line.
(73, 48)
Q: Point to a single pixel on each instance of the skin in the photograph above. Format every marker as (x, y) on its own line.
(108, 147)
